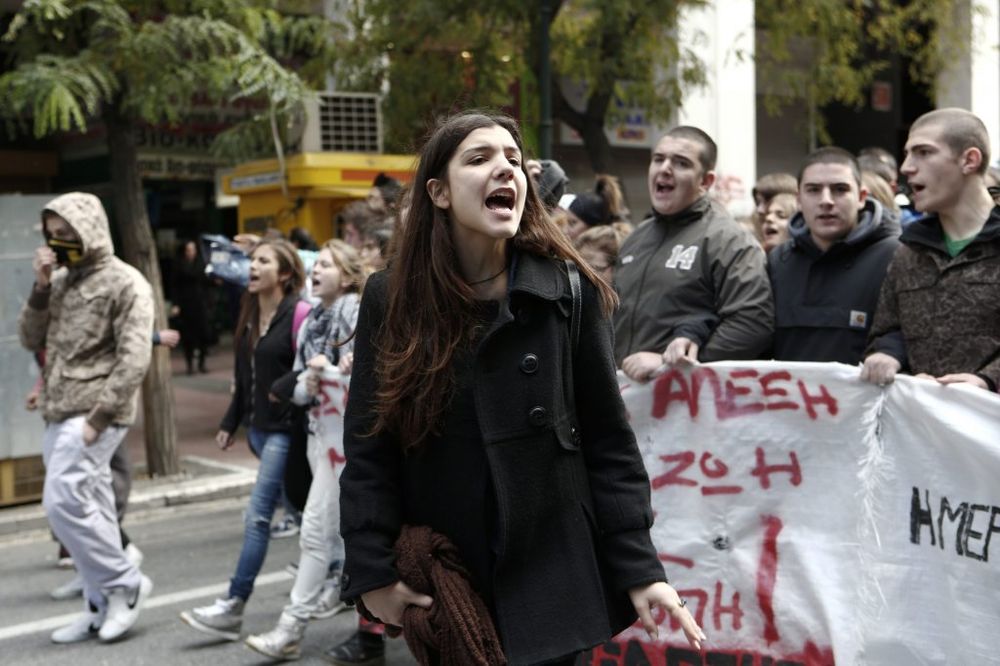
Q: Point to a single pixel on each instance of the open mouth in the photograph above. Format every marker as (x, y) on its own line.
(501, 199)
(664, 188)
(770, 231)
(916, 188)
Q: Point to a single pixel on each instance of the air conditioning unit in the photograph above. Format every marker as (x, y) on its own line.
(347, 122)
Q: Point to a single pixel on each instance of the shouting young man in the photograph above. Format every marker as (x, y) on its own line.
(939, 310)
(692, 282)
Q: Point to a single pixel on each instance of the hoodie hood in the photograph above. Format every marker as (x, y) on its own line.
(927, 231)
(86, 215)
(872, 226)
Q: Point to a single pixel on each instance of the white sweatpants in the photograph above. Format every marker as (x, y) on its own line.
(80, 505)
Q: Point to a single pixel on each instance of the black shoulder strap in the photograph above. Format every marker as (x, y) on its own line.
(574, 286)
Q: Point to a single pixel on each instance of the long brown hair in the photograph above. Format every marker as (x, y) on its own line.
(430, 305)
(288, 264)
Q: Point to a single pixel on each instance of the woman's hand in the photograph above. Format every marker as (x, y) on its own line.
(224, 439)
(388, 603)
(660, 594)
(346, 363)
(316, 365)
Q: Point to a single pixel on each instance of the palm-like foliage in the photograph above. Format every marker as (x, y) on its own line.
(124, 61)
(149, 59)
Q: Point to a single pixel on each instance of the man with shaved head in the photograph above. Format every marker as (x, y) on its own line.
(939, 309)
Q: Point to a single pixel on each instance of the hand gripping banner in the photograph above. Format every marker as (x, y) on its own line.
(810, 519)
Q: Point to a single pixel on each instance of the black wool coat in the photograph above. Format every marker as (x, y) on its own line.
(570, 493)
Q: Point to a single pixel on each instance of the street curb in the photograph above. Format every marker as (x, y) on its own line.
(210, 480)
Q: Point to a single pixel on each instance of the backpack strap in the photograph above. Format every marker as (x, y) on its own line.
(302, 309)
(574, 286)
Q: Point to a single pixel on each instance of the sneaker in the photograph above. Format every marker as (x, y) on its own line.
(284, 528)
(224, 618)
(83, 628)
(134, 555)
(123, 610)
(282, 642)
(69, 590)
(329, 603)
(361, 649)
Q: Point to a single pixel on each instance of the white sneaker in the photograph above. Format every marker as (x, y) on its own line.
(282, 642)
(68, 590)
(284, 528)
(133, 555)
(83, 628)
(329, 603)
(123, 610)
(224, 618)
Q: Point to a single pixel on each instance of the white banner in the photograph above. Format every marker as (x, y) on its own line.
(809, 518)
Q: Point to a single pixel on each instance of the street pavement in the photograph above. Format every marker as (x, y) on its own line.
(190, 552)
(191, 540)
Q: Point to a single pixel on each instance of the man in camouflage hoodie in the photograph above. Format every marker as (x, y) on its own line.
(93, 315)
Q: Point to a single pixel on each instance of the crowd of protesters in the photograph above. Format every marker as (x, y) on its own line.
(835, 265)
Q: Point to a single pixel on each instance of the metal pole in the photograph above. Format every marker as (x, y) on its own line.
(545, 82)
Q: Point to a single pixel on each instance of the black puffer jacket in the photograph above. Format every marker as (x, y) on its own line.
(824, 302)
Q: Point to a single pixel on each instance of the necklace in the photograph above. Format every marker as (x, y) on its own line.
(492, 277)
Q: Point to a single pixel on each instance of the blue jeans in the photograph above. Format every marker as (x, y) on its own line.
(272, 449)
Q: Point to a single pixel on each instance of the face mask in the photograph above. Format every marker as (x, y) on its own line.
(67, 252)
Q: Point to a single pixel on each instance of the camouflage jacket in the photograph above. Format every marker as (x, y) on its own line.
(941, 314)
(95, 323)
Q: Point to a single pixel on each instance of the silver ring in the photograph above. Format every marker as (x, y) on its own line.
(684, 602)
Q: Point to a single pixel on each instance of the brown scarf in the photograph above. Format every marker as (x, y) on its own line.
(457, 630)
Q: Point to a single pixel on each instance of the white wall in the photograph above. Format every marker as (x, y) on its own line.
(726, 107)
(972, 81)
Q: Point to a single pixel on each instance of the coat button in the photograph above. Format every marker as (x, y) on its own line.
(529, 364)
(538, 416)
(574, 433)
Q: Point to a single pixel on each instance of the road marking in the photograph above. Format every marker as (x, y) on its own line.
(48, 624)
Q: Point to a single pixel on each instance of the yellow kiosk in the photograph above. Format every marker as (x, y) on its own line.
(308, 189)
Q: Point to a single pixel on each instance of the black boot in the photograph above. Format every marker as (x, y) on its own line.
(189, 358)
(361, 649)
(201, 362)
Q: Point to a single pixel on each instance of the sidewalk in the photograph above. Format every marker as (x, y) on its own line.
(207, 473)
